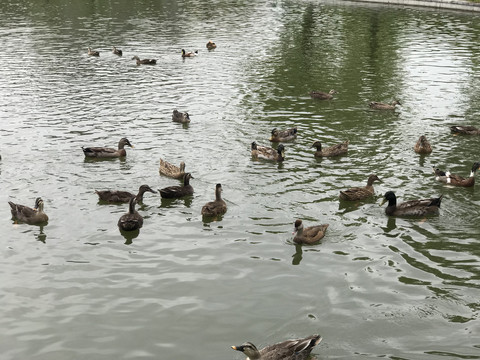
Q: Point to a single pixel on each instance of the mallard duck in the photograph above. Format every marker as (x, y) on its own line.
(467, 130)
(411, 208)
(283, 135)
(189, 54)
(382, 106)
(172, 192)
(131, 220)
(309, 235)
(294, 349)
(93, 52)
(171, 170)
(104, 152)
(268, 153)
(456, 180)
(114, 196)
(359, 193)
(211, 45)
(144, 61)
(180, 117)
(323, 95)
(216, 207)
(422, 146)
(28, 215)
(117, 51)
(334, 150)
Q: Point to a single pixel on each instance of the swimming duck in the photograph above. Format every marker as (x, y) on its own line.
(323, 95)
(283, 135)
(467, 130)
(456, 180)
(359, 193)
(104, 152)
(131, 220)
(144, 61)
(28, 215)
(422, 146)
(309, 235)
(189, 54)
(211, 45)
(117, 51)
(216, 207)
(114, 196)
(295, 349)
(93, 52)
(382, 106)
(268, 153)
(180, 117)
(171, 170)
(172, 192)
(411, 208)
(334, 150)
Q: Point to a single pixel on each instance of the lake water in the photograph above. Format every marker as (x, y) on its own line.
(375, 287)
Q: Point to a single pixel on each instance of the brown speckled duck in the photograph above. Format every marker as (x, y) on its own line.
(211, 45)
(457, 180)
(216, 207)
(181, 117)
(105, 152)
(93, 52)
(323, 95)
(144, 61)
(309, 235)
(172, 192)
(131, 220)
(422, 146)
(417, 208)
(28, 215)
(466, 130)
(114, 196)
(382, 106)
(170, 170)
(334, 150)
(295, 349)
(117, 51)
(359, 193)
(283, 135)
(268, 153)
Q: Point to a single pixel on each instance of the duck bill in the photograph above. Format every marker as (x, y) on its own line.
(238, 348)
(383, 201)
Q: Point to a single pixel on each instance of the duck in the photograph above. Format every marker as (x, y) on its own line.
(189, 54)
(283, 135)
(216, 207)
(28, 215)
(93, 52)
(181, 117)
(268, 153)
(422, 146)
(323, 95)
(467, 130)
(294, 349)
(456, 180)
(211, 45)
(334, 150)
(382, 106)
(171, 170)
(419, 208)
(131, 220)
(117, 51)
(114, 196)
(105, 152)
(309, 235)
(144, 61)
(172, 192)
(359, 193)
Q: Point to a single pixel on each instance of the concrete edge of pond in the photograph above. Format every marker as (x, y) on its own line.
(441, 4)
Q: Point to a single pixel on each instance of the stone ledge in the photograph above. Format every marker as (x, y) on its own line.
(442, 4)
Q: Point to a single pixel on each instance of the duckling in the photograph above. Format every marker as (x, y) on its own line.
(144, 61)
(467, 130)
(284, 135)
(189, 54)
(411, 208)
(114, 196)
(180, 117)
(294, 349)
(172, 192)
(268, 153)
(457, 180)
(93, 52)
(104, 152)
(323, 95)
(117, 51)
(211, 45)
(216, 207)
(309, 235)
(334, 150)
(422, 146)
(171, 170)
(131, 220)
(382, 106)
(359, 193)
(28, 215)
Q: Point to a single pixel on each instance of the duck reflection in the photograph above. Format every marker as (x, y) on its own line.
(129, 235)
(297, 257)
(171, 203)
(41, 236)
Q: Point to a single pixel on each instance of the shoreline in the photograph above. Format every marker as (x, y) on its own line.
(441, 4)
